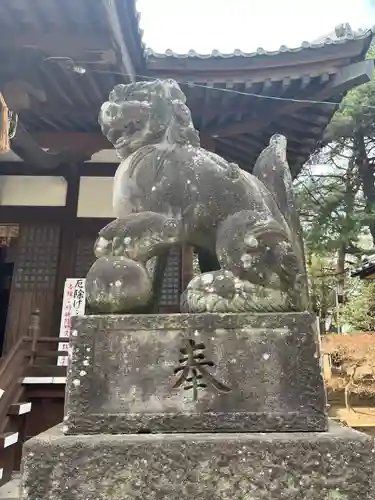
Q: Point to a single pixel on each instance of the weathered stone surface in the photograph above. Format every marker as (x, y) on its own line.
(117, 285)
(132, 373)
(335, 465)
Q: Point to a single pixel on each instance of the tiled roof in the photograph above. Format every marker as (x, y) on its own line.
(347, 35)
(367, 268)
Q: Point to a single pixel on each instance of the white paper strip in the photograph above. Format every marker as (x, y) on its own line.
(73, 305)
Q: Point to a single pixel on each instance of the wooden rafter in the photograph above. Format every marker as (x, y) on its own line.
(233, 144)
(299, 125)
(349, 77)
(255, 142)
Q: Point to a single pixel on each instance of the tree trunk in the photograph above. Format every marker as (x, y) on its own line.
(314, 299)
(323, 309)
(340, 270)
(350, 193)
(366, 174)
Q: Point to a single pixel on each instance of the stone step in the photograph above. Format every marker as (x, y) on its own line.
(334, 465)
(19, 409)
(10, 490)
(43, 380)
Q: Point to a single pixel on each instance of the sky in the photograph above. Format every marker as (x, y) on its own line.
(226, 25)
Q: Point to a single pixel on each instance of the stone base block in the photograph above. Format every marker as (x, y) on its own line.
(195, 373)
(334, 465)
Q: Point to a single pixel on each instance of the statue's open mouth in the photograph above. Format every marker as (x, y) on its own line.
(129, 133)
(126, 121)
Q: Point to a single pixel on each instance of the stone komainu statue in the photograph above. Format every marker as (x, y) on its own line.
(169, 191)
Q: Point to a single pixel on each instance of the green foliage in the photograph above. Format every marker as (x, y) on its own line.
(337, 203)
(322, 283)
(331, 206)
(371, 50)
(359, 311)
(353, 116)
(336, 200)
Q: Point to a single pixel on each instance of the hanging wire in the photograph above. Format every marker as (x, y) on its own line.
(76, 68)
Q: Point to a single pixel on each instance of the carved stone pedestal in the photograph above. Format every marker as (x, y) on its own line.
(334, 465)
(195, 373)
(226, 407)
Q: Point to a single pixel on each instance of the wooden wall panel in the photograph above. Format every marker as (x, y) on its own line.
(34, 280)
(84, 257)
(46, 412)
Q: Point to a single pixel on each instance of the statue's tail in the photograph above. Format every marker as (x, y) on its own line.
(273, 170)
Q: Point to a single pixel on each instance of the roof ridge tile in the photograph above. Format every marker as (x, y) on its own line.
(260, 51)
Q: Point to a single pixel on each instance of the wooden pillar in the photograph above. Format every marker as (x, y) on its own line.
(66, 261)
(186, 266)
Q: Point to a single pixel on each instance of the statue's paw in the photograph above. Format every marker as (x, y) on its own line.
(117, 285)
(138, 236)
(102, 247)
(222, 292)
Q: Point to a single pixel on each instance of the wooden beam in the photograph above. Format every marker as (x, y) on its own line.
(35, 215)
(98, 169)
(346, 79)
(353, 75)
(27, 148)
(82, 47)
(22, 168)
(83, 169)
(67, 254)
(85, 142)
(115, 26)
